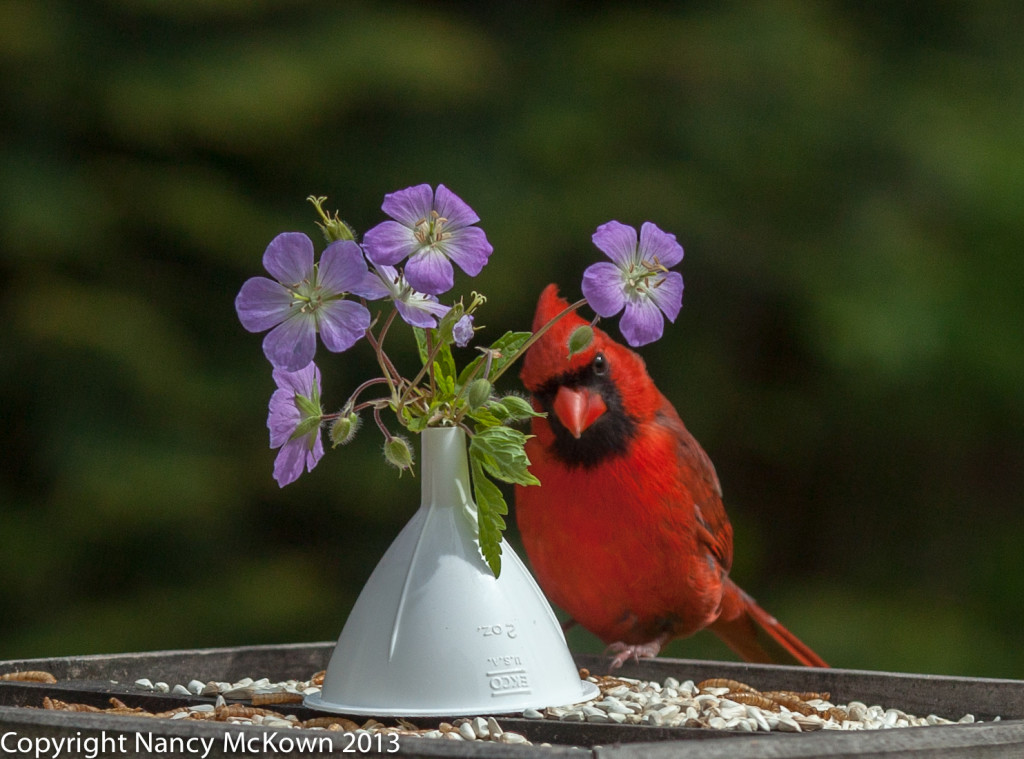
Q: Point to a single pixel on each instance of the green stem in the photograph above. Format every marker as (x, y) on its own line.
(537, 336)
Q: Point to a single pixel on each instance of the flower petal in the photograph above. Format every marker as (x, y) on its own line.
(668, 294)
(617, 241)
(301, 382)
(342, 323)
(430, 271)
(389, 242)
(454, 209)
(654, 243)
(290, 461)
(289, 257)
(462, 332)
(262, 304)
(469, 248)
(602, 287)
(341, 266)
(292, 343)
(284, 416)
(420, 311)
(410, 205)
(642, 323)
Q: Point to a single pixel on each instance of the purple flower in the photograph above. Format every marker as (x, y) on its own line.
(462, 332)
(430, 228)
(306, 298)
(294, 422)
(638, 280)
(414, 307)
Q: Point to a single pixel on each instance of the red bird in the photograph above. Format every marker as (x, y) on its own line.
(627, 531)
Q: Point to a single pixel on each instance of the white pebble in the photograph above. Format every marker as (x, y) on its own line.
(195, 687)
(467, 732)
(513, 738)
(532, 714)
(181, 690)
(144, 682)
(162, 687)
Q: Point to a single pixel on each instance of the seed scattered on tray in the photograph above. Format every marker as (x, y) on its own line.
(724, 704)
(475, 729)
(259, 692)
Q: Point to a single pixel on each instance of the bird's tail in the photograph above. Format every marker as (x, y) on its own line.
(756, 635)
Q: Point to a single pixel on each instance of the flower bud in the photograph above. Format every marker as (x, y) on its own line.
(478, 394)
(398, 452)
(344, 429)
(518, 408)
(335, 229)
(580, 339)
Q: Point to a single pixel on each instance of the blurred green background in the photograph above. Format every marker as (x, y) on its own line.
(847, 180)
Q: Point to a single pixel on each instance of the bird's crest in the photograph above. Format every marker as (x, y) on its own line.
(549, 356)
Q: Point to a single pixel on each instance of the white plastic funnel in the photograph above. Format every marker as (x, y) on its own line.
(433, 632)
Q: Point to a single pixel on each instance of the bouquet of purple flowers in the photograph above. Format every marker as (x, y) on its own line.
(405, 263)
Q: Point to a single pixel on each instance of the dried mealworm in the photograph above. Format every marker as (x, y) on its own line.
(277, 697)
(839, 715)
(31, 676)
(753, 699)
(245, 712)
(607, 682)
(117, 706)
(792, 703)
(734, 686)
(343, 724)
(64, 706)
(800, 696)
(318, 678)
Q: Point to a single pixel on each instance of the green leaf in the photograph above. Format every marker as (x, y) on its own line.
(507, 345)
(446, 362)
(500, 451)
(485, 417)
(444, 381)
(421, 343)
(519, 408)
(490, 505)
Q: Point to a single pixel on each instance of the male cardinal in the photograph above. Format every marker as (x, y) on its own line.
(627, 532)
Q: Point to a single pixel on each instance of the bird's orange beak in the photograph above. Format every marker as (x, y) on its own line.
(578, 408)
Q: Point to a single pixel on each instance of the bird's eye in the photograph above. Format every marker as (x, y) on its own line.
(600, 365)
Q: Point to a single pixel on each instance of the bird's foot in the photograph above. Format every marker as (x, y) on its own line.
(635, 651)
